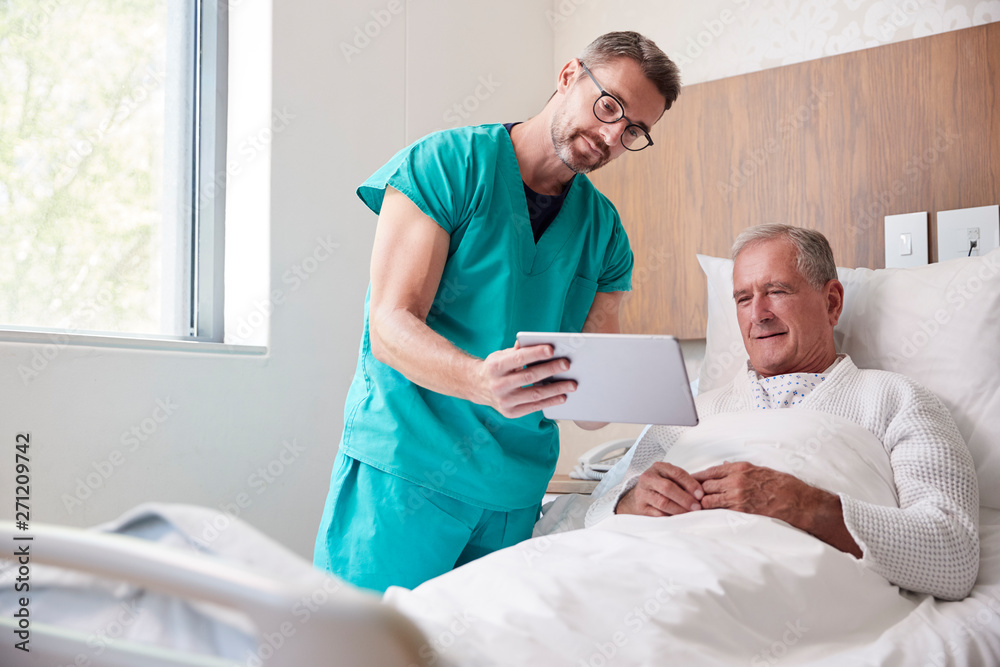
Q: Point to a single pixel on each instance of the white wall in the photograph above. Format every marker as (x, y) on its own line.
(475, 62)
(713, 39)
(229, 415)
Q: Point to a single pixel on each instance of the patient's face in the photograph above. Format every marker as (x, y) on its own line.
(786, 323)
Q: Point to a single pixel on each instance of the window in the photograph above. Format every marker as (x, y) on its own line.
(110, 114)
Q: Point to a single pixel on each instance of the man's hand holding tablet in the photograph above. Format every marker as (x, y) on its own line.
(519, 381)
(619, 378)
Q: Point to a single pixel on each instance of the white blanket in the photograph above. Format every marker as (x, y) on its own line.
(710, 588)
(817, 447)
(705, 588)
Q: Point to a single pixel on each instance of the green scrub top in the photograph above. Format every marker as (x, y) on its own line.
(496, 282)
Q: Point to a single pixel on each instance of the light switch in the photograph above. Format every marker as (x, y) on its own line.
(906, 244)
(906, 240)
(957, 229)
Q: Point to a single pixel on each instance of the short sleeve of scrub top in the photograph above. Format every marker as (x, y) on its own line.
(618, 261)
(435, 174)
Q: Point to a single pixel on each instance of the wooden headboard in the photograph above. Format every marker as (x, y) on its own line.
(832, 144)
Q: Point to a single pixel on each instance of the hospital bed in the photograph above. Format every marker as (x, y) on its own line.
(292, 615)
(718, 588)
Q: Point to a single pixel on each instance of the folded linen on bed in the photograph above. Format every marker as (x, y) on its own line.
(819, 448)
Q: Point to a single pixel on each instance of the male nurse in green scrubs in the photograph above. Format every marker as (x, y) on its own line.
(482, 232)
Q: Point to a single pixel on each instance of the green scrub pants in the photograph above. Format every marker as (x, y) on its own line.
(380, 530)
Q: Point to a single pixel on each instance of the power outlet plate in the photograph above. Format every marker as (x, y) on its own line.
(956, 229)
(905, 240)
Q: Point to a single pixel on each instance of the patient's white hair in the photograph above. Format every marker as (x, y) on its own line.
(815, 258)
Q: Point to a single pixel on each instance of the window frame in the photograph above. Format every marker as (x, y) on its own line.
(206, 208)
(207, 296)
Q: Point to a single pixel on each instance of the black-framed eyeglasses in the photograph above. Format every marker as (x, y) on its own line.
(608, 109)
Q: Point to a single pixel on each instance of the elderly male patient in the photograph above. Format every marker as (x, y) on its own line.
(788, 300)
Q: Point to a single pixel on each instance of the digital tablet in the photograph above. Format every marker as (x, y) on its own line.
(620, 378)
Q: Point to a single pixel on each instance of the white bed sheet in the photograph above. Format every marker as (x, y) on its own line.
(623, 593)
(628, 592)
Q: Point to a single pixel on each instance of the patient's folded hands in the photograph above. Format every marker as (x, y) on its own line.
(662, 490)
(745, 487)
(666, 490)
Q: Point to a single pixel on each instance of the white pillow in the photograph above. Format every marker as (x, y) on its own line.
(938, 324)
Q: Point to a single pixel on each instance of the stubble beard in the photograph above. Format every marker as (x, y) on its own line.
(562, 141)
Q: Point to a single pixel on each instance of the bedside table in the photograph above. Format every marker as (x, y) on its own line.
(565, 484)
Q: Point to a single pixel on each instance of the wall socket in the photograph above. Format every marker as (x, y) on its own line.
(905, 240)
(967, 232)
